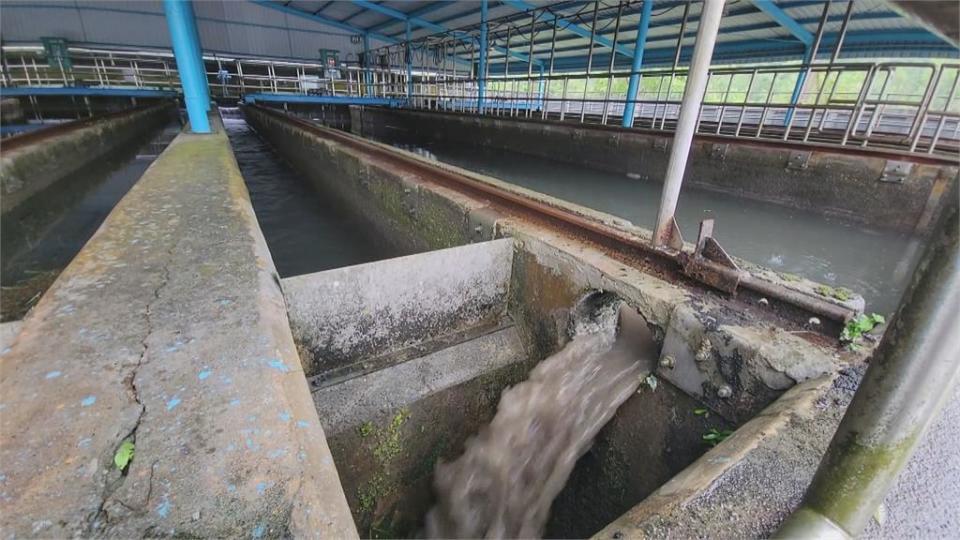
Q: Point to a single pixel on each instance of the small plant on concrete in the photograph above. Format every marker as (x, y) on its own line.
(124, 455)
(365, 429)
(855, 329)
(715, 436)
(700, 411)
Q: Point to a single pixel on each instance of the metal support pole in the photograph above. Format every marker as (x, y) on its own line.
(409, 59)
(367, 65)
(482, 68)
(803, 75)
(633, 86)
(178, 12)
(586, 82)
(689, 112)
(198, 52)
(909, 379)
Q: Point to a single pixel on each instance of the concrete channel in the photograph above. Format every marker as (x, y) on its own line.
(409, 359)
(318, 404)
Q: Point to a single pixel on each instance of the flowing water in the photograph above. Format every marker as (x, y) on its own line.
(510, 473)
(305, 231)
(876, 264)
(40, 238)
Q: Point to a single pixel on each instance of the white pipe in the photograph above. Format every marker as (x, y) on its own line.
(689, 112)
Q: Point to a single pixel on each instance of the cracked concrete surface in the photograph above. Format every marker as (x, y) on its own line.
(168, 329)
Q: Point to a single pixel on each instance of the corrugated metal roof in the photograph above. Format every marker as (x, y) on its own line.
(297, 28)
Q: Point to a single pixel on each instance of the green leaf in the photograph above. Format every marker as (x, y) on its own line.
(699, 412)
(124, 455)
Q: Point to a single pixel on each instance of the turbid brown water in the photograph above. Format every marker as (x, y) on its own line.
(510, 473)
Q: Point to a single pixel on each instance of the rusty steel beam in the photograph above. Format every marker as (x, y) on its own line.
(616, 240)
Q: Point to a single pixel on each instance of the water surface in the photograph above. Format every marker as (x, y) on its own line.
(305, 231)
(876, 264)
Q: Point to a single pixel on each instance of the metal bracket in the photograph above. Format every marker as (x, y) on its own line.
(710, 263)
(798, 161)
(719, 151)
(676, 238)
(896, 171)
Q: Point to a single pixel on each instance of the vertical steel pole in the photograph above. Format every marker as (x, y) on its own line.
(482, 68)
(409, 59)
(689, 112)
(586, 82)
(553, 49)
(613, 61)
(910, 377)
(673, 72)
(367, 65)
(533, 23)
(198, 51)
(184, 49)
(805, 74)
(633, 87)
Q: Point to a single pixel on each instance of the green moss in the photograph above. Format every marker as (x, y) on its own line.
(390, 444)
(365, 429)
(840, 293)
(788, 277)
(853, 476)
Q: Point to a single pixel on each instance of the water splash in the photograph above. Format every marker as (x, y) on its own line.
(509, 474)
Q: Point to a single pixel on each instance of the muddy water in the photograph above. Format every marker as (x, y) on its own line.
(510, 473)
(877, 265)
(305, 232)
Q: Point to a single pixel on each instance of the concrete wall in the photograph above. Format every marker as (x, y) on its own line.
(29, 169)
(354, 314)
(844, 185)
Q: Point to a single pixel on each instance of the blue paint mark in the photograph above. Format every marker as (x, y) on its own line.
(259, 530)
(302, 423)
(5, 350)
(173, 403)
(278, 453)
(52, 375)
(164, 507)
(231, 488)
(261, 488)
(204, 374)
(234, 402)
(278, 365)
(284, 416)
(84, 442)
(252, 445)
(88, 401)
(231, 447)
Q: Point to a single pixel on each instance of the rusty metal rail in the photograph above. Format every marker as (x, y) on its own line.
(32, 137)
(677, 262)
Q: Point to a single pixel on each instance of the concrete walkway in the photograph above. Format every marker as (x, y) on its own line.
(168, 331)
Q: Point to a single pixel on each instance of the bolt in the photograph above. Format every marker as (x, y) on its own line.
(814, 321)
(725, 391)
(764, 302)
(667, 362)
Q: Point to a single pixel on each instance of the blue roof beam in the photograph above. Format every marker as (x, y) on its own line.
(323, 20)
(429, 8)
(796, 29)
(423, 23)
(565, 24)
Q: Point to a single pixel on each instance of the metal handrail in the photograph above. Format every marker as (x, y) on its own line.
(849, 104)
